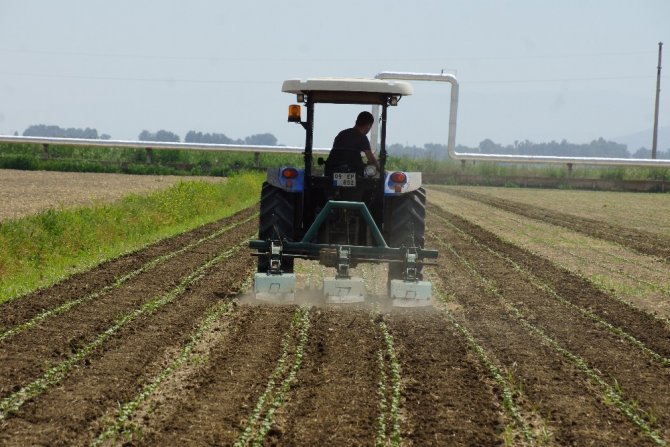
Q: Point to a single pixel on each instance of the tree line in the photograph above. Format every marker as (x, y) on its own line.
(43, 130)
(192, 136)
(596, 148)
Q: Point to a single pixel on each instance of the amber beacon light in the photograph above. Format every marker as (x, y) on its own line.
(294, 113)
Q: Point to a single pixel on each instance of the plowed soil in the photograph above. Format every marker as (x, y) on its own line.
(638, 240)
(27, 192)
(165, 347)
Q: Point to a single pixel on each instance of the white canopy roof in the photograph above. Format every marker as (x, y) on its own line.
(385, 86)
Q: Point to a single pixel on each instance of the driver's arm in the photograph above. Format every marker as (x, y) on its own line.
(371, 158)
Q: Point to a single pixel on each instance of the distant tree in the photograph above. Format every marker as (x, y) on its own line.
(161, 135)
(435, 151)
(643, 152)
(596, 148)
(399, 150)
(212, 138)
(193, 136)
(145, 135)
(266, 139)
(164, 135)
(487, 146)
(43, 130)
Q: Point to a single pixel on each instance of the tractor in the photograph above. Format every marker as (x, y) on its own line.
(340, 216)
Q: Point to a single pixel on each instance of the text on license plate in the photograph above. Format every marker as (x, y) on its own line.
(347, 179)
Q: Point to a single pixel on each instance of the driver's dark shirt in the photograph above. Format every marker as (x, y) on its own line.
(347, 149)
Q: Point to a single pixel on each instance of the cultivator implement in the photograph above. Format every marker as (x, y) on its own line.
(276, 285)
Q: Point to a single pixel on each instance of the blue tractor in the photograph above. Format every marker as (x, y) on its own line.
(341, 216)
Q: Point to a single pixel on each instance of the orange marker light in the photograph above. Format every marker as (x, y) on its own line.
(290, 173)
(399, 177)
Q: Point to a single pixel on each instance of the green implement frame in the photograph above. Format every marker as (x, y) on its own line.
(308, 249)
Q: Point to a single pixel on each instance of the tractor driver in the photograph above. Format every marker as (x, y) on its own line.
(349, 144)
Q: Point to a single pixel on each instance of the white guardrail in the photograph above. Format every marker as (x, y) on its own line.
(451, 139)
(451, 145)
(158, 145)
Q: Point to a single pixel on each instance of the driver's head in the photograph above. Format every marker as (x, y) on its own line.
(364, 119)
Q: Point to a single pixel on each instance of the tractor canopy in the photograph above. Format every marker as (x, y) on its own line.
(348, 90)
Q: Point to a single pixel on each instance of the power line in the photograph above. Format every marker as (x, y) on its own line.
(253, 82)
(217, 58)
(134, 79)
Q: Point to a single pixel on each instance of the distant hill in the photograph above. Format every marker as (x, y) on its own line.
(636, 140)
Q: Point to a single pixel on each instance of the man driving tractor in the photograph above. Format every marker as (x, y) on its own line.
(345, 155)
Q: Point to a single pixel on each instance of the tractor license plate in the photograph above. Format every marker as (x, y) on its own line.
(346, 179)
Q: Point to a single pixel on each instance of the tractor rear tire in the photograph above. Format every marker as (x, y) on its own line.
(404, 224)
(278, 208)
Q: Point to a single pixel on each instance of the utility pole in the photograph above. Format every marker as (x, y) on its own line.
(658, 94)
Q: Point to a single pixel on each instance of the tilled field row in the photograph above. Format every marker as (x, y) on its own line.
(237, 374)
(127, 329)
(637, 240)
(515, 351)
(638, 281)
(567, 349)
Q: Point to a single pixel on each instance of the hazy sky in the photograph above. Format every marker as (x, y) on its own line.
(529, 69)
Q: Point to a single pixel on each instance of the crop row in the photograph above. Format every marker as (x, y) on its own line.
(123, 424)
(542, 285)
(637, 240)
(290, 359)
(504, 381)
(635, 280)
(389, 391)
(604, 261)
(610, 393)
(57, 373)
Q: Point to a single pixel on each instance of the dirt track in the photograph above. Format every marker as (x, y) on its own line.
(153, 349)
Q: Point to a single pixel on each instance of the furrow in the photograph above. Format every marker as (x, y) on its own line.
(542, 285)
(579, 259)
(506, 392)
(57, 373)
(335, 401)
(123, 421)
(637, 240)
(609, 393)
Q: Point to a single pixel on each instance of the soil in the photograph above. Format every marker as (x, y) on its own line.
(493, 336)
(638, 240)
(28, 192)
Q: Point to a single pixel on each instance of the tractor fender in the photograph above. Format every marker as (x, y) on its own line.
(392, 188)
(295, 183)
